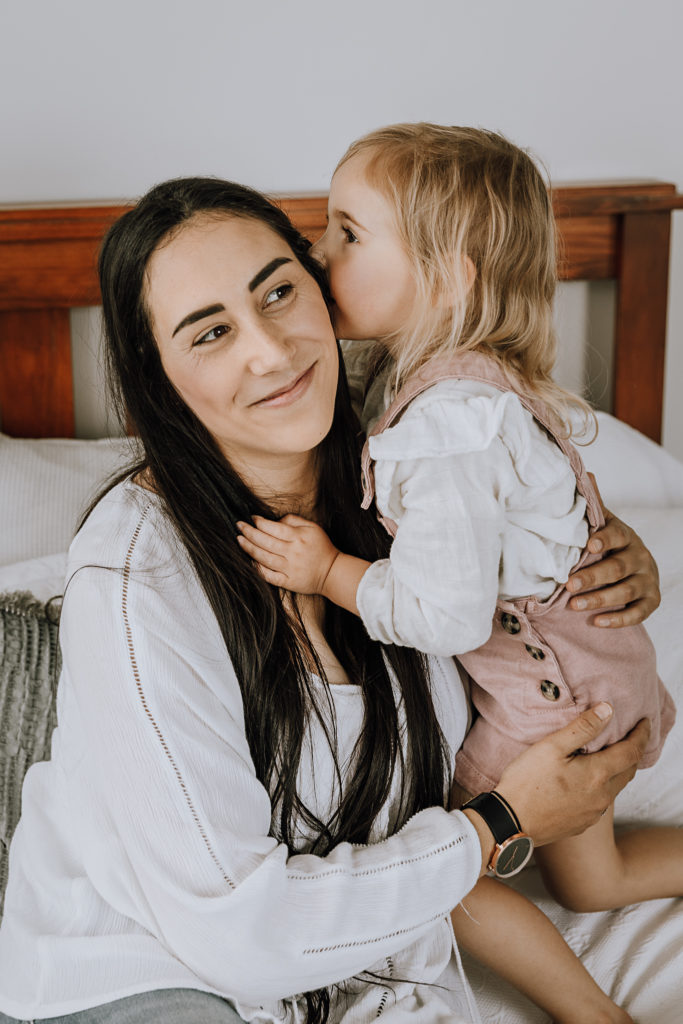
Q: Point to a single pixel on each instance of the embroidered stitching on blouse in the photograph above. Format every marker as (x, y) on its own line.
(378, 870)
(143, 699)
(385, 994)
(369, 942)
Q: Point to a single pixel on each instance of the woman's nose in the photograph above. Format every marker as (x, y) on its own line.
(269, 348)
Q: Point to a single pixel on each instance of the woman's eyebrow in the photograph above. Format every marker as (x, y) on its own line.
(218, 307)
(198, 314)
(267, 271)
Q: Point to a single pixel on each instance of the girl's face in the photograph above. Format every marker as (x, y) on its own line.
(370, 274)
(245, 337)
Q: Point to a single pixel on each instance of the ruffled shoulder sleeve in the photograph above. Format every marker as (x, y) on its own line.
(453, 417)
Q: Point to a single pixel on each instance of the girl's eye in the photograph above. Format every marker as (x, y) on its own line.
(216, 332)
(350, 237)
(278, 294)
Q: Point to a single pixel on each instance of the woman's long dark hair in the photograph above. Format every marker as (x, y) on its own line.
(204, 497)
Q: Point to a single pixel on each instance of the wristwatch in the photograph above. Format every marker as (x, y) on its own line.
(513, 847)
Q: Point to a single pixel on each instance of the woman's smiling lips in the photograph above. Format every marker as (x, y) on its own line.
(288, 394)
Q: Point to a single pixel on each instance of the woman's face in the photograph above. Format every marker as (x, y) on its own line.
(245, 337)
(370, 274)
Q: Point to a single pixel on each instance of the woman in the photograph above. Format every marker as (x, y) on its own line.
(245, 801)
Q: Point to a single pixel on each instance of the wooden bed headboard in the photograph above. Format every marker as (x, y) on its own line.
(617, 230)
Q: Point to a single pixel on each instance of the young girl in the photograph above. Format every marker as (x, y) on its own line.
(441, 246)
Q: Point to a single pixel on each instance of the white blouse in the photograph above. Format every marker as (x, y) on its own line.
(485, 505)
(143, 858)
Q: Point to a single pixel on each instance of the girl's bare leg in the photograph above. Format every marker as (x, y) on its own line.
(598, 871)
(509, 934)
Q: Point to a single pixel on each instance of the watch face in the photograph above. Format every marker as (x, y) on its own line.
(512, 855)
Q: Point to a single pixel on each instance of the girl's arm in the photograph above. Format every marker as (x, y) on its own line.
(306, 562)
(436, 591)
(296, 554)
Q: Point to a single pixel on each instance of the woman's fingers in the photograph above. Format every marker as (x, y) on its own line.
(613, 536)
(615, 760)
(585, 727)
(620, 761)
(625, 607)
(599, 574)
(631, 615)
(557, 793)
(629, 601)
(626, 578)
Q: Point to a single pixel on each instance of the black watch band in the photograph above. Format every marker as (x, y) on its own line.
(497, 813)
(513, 847)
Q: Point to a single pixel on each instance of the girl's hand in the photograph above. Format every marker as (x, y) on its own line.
(556, 792)
(294, 553)
(627, 576)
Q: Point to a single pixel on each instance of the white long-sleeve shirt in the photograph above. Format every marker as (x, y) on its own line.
(143, 858)
(485, 505)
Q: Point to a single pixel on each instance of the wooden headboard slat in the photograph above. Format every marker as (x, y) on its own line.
(48, 257)
(35, 347)
(588, 247)
(640, 330)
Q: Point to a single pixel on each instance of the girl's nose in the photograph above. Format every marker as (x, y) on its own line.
(318, 251)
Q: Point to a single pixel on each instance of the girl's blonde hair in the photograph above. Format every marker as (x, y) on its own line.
(467, 192)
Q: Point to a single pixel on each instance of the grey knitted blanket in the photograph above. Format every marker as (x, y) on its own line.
(30, 661)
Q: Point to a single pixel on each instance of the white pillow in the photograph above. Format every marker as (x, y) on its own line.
(45, 486)
(632, 470)
(43, 577)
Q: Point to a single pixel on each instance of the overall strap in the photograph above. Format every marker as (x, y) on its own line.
(480, 367)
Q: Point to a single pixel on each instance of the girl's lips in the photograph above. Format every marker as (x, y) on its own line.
(290, 394)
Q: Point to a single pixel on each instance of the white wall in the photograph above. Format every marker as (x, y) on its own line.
(101, 100)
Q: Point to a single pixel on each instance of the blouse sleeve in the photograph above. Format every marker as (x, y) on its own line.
(441, 474)
(175, 824)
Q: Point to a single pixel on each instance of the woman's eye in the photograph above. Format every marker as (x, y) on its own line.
(350, 237)
(278, 294)
(216, 332)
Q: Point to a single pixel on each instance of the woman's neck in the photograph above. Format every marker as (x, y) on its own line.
(287, 485)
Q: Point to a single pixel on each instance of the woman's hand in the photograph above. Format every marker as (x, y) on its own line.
(626, 578)
(556, 792)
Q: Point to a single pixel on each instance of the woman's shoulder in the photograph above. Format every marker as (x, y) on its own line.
(126, 528)
(453, 416)
(128, 549)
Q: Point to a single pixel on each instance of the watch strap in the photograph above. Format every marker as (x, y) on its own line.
(497, 813)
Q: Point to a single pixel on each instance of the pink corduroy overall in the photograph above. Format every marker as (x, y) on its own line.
(543, 663)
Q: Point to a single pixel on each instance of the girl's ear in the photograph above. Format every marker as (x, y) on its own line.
(462, 279)
(470, 272)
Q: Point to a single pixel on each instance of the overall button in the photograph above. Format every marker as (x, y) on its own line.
(510, 623)
(550, 690)
(535, 652)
